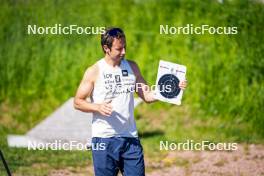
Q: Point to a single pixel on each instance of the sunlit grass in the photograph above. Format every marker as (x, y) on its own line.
(225, 95)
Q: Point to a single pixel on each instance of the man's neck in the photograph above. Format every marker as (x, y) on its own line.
(111, 62)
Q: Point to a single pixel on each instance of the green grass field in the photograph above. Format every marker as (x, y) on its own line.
(223, 102)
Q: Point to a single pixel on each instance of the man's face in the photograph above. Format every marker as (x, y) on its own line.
(118, 50)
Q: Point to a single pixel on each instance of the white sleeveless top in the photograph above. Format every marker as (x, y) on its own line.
(116, 84)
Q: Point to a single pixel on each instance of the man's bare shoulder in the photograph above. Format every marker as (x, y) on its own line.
(91, 72)
(134, 66)
(131, 62)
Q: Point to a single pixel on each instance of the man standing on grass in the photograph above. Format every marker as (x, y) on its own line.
(110, 84)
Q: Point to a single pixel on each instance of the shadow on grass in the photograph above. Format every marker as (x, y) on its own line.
(149, 134)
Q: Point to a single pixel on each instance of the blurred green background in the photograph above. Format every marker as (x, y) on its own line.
(223, 102)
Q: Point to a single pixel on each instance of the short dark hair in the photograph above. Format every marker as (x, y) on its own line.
(108, 37)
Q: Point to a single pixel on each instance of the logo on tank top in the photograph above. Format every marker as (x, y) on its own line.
(124, 73)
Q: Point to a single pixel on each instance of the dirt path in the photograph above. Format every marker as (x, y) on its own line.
(248, 160)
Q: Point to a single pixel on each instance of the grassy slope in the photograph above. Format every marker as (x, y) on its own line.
(224, 99)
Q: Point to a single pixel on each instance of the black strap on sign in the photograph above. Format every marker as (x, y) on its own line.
(5, 164)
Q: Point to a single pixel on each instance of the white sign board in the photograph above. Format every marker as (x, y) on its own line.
(167, 83)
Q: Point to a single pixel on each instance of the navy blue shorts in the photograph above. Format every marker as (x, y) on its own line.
(118, 153)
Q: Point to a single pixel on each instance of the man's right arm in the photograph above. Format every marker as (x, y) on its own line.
(85, 90)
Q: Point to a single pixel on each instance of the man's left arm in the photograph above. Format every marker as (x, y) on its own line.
(142, 88)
